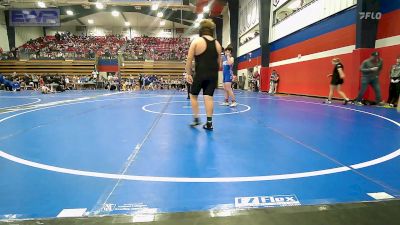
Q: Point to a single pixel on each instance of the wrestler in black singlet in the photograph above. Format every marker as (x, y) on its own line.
(206, 70)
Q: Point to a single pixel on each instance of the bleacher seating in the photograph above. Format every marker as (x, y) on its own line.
(71, 46)
(75, 55)
(152, 48)
(170, 68)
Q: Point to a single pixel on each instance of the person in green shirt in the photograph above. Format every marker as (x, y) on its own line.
(370, 70)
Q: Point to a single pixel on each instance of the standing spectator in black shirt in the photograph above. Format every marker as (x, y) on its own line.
(57, 36)
(337, 81)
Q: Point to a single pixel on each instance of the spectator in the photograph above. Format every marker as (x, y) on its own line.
(273, 83)
(57, 36)
(337, 81)
(45, 90)
(41, 82)
(242, 81)
(94, 75)
(394, 89)
(370, 69)
(9, 85)
(256, 77)
(35, 80)
(66, 83)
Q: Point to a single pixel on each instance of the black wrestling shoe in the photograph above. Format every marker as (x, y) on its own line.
(195, 122)
(208, 126)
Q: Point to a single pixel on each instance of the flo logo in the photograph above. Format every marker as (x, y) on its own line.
(267, 201)
(370, 15)
(108, 207)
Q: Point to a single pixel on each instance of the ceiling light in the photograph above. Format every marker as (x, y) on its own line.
(70, 12)
(90, 21)
(115, 13)
(41, 4)
(162, 23)
(127, 24)
(99, 5)
(160, 14)
(154, 7)
(200, 16)
(206, 9)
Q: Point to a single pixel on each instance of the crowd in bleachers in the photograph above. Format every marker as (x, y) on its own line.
(69, 46)
(62, 46)
(151, 48)
(12, 54)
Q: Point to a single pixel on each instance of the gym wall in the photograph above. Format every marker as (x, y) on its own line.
(311, 14)
(334, 36)
(72, 29)
(303, 45)
(303, 59)
(3, 32)
(388, 40)
(226, 37)
(226, 28)
(24, 34)
(249, 54)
